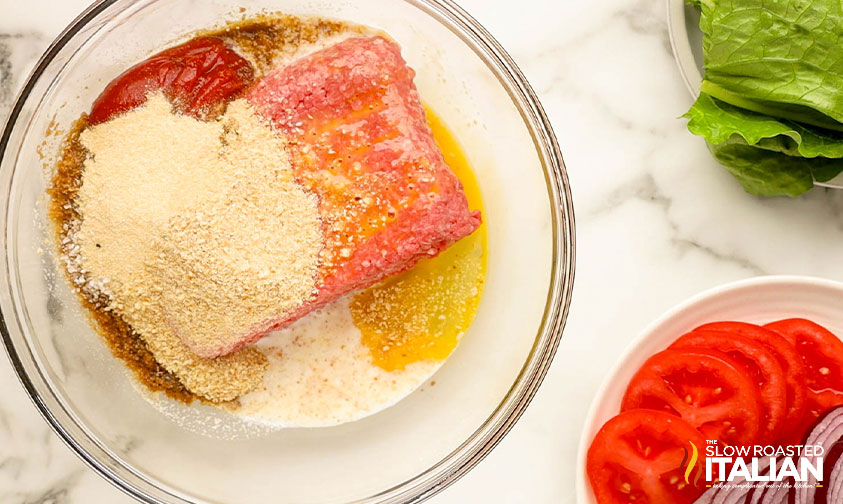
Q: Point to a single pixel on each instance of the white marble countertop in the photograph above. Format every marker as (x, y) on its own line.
(657, 221)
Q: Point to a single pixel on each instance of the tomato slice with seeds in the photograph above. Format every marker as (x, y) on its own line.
(790, 362)
(708, 390)
(758, 363)
(822, 353)
(638, 457)
(196, 77)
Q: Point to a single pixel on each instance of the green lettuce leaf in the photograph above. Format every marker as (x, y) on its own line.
(770, 157)
(769, 173)
(719, 122)
(781, 58)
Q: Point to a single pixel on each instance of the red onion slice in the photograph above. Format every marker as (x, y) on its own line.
(760, 491)
(826, 432)
(776, 493)
(832, 489)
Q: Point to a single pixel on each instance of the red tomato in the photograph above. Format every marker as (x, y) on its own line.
(710, 391)
(822, 353)
(789, 360)
(758, 363)
(195, 76)
(638, 457)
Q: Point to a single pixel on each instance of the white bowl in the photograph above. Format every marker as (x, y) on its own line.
(756, 300)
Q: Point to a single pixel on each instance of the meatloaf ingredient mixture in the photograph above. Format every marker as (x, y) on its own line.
(198, 213)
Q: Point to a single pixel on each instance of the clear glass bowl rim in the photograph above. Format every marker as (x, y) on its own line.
(497, 425)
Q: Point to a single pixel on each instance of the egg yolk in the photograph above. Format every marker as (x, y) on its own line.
(422, 314)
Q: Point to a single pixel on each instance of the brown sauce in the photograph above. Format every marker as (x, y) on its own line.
(266, 38)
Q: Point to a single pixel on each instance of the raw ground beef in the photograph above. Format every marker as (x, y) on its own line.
(362, 145)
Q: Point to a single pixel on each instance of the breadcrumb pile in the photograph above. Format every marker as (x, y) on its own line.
(207, 232)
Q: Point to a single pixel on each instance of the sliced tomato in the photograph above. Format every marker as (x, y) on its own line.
(196, 77)
(758, 363)
(640, 456)
(789, 360)
(708, 390)
(822, 353)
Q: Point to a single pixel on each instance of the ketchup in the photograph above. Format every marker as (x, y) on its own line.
(196, 77)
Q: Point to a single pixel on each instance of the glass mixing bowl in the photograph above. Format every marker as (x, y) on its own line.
(403, 454)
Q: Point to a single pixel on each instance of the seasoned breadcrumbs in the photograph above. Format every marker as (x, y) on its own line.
(132, 212)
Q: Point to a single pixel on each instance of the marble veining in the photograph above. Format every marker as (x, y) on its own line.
(658, 220)
(57, 494)
(5, 74)
(18, 52)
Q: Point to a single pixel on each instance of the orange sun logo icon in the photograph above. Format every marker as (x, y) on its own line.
(688, 464)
